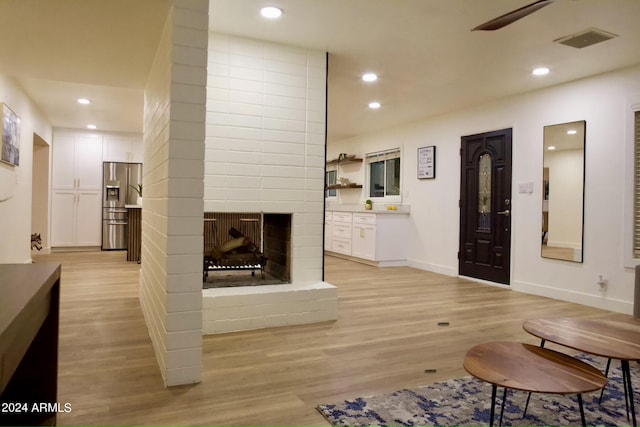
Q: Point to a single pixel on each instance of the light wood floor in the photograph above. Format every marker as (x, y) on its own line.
(386, 336)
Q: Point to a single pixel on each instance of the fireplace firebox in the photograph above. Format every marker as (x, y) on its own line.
(237, 245)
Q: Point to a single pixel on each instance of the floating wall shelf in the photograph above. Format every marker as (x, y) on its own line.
(344, 161)
(343, 187)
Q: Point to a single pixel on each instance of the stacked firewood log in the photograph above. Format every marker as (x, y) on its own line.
(239, 250)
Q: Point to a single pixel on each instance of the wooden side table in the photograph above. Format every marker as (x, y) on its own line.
(612, 340)
(531, 368)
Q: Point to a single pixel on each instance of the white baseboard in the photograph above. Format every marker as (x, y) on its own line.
(598, 301)
(434, 268)
(398, 263)
(78, 249)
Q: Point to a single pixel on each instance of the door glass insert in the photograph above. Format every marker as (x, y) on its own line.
(484, 192)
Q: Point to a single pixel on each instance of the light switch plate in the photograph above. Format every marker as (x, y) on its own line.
(525, 188)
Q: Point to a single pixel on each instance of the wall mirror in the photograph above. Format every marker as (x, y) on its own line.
(563, 191)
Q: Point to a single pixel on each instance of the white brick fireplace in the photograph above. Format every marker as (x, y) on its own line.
(265, 152)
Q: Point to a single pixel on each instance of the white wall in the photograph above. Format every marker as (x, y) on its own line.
(171, 275)
(601, 101)
(15, 181)
(266, 139)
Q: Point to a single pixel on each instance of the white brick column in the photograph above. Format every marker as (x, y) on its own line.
(174, 133)
(265, 152)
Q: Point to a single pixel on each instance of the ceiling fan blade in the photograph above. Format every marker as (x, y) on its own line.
(513, 16)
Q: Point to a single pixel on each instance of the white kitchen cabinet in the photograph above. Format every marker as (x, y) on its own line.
(76, 218)
(63, 175)
(341, 246)
(341, 232)
(89, 218)
(137, 149)
(77, 162)
(76, 195)
(392, 231)
(378, 237)
(122, 148)
(363, 240)
(328, 236)
(63, 218)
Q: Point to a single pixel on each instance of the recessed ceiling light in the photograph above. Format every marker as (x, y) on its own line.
(91, 126)
(540, 71)
(572, 132)
(374, 105)
(551, 147)
(271, 12)
(84, 101)
(369, 77)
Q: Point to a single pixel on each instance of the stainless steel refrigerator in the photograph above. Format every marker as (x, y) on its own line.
(118, 180)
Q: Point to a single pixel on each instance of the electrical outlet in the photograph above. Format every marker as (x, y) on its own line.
(602, 282)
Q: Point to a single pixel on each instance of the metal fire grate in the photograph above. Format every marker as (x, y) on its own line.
(249, 263)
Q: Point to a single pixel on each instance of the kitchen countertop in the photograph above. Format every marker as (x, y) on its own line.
(402, 210)
(133, 206)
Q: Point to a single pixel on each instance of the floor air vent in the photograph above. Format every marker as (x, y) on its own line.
(586, 38)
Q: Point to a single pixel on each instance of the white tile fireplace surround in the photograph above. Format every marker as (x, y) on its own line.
(238, 308)
(265, 153)
(257, 307)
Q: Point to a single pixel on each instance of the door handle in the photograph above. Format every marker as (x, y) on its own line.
(505, 213)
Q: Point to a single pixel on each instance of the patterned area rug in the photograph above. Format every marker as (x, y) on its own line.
(467, 401)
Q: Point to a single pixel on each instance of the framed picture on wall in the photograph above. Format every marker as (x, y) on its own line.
(427, 162)
(10, 136)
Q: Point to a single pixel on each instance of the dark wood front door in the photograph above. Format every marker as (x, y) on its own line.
(485, 206)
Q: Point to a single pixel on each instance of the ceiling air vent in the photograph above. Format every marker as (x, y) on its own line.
(585, 38)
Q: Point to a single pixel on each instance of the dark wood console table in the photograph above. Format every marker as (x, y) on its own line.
(134, 238)
(29, 313)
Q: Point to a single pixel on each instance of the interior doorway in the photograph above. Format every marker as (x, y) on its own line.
(485, 206)
(40, 189)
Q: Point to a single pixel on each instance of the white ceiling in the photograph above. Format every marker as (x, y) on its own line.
(61, 50)
(428, 60)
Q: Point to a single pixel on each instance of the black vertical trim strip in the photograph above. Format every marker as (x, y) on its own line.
(326, 116)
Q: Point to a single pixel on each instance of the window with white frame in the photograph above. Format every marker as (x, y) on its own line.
(383, 172)
(631, 235)
(331, 178)
(636, 186)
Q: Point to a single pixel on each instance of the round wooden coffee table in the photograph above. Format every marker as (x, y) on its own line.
(531, 368)
(612, 340)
